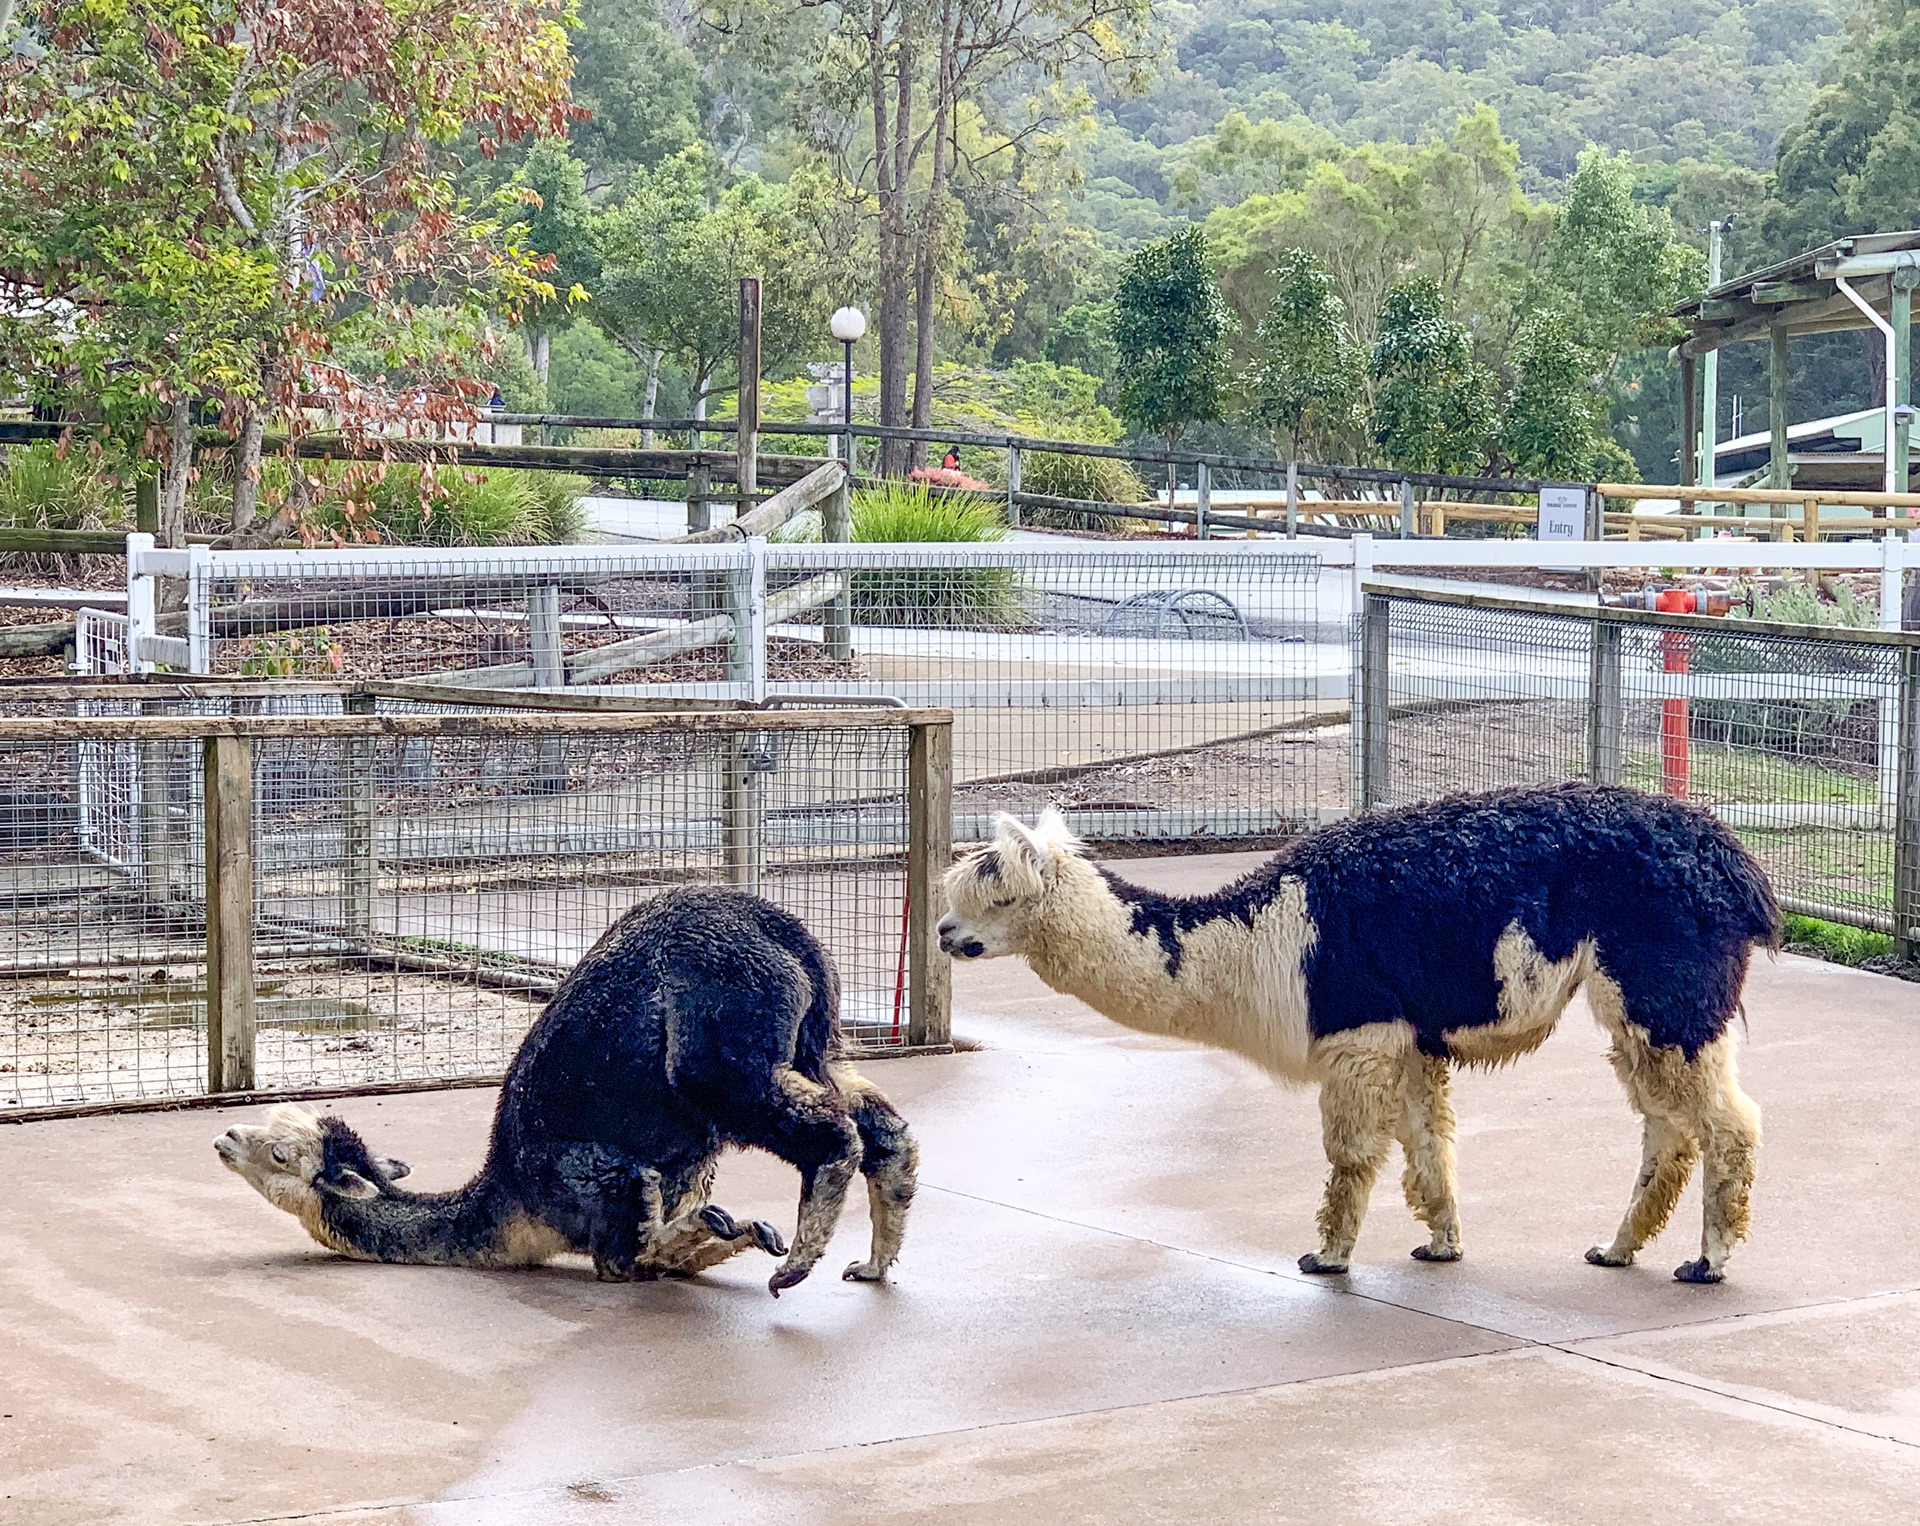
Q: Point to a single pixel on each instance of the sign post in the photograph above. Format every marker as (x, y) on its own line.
(1563, 512)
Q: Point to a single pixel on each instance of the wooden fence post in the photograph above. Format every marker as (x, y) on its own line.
(358, 868)
(1906, 822)
(228, 765)
(1606, 709)
(929, 853)
(836, 527)
(747, 440)
(1376, 773)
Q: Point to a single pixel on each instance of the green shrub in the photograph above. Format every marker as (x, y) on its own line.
(1099, 479)
(1798, 604)
(457, 506)
(898, 513)
(558, 517)
(906, 512)
(1830, 733)
(42, 489)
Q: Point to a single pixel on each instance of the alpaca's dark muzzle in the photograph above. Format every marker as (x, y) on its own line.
(953, 943)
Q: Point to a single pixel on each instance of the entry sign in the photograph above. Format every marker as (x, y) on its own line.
(1563, 513)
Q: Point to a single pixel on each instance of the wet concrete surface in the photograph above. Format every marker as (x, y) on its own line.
(1097, 1317)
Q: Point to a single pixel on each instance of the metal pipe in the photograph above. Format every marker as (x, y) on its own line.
(1891, 341)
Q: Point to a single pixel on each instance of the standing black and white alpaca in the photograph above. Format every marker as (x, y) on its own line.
(703, 1018)
(1371, 956)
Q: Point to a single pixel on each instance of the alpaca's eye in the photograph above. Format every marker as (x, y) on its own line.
(1002, 905)
(279, 1155)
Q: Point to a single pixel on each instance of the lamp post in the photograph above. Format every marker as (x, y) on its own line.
(848, 324)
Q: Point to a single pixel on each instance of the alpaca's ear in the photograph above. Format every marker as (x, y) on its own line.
(1052, 833)
(393, 1169)
(1026, 863)
(345, 1182)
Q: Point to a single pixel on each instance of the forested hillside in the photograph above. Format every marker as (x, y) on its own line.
(1667, 81)
(1426, 231)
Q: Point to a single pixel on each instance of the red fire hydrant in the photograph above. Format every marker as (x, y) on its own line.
(1676, 650)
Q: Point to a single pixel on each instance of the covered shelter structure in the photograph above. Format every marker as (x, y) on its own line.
(1862, 282)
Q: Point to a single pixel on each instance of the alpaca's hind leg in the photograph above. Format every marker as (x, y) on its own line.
(890, 1160)
(1426, 1137)
(1694, 1109)
(1667, 1154)
(807, 1125)
(1359, 1111)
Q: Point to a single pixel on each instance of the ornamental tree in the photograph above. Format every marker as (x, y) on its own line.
(1171, 328)
(210, 192)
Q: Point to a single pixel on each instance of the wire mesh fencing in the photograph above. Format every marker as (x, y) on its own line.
(406, 892)
(1153, 691)
(481, 617)
(1150, 692)
(1802, 740)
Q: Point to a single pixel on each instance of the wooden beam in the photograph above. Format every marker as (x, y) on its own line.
(193, 727)
(1779, 467)
(929, 853)
(1689, 419)
(231, 1016)
(1767, 292)
(747, 369)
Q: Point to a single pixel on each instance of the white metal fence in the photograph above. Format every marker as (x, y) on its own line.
(1153, 689)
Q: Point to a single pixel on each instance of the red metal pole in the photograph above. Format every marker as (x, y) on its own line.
(1675, 727)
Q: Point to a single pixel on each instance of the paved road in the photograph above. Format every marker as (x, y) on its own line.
(1097, 1318)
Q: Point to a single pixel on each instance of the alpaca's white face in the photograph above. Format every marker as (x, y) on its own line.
(994, 894)
(279, 1158)
(283, 1159)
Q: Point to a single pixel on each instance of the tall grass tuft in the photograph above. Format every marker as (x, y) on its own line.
(461, 507)
(897, 513)
(42, 489)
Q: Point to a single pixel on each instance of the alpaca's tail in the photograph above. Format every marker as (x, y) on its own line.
(1753, 909)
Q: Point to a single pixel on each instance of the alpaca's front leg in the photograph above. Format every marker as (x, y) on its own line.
(1426, 1137)
(1359, 1107)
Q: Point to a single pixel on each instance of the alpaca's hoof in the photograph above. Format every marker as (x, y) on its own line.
(1314, 1266)
(788, 1276)
(864, 1271)
(767, 1237)
(722, 1223)
(1428, 1253)
(1697, 1271)
(1600, 1255)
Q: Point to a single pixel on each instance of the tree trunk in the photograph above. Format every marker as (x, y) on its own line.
(702, 383)
(892, 143)
(173, 501)
(542, 352)
(246, 470)
(652, 397)
(927, 255)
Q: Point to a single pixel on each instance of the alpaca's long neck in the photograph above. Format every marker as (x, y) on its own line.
(467, 1227)
(1087, 946)
(1232, 980)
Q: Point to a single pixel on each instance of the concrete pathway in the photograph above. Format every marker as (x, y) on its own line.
(1097, 1318)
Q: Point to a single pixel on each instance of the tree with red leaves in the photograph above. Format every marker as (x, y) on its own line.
(212, 193)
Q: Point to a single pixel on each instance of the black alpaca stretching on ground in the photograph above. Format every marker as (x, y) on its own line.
(1370, 956)
(703, 1018)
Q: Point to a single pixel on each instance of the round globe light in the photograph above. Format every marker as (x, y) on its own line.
(847, 324)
